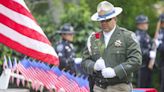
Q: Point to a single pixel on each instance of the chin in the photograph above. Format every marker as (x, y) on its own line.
(106, 30)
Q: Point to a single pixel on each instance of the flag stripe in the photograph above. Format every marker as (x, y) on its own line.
(20, 19)
(26, 41)
(28, 51)
(22, 29)
(18, 7)
(21, 2)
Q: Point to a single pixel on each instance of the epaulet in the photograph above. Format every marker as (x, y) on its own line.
(123, 29)
(126, 30)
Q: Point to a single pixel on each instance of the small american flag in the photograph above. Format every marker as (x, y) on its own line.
(63, 82)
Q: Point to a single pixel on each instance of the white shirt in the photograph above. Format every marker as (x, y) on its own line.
(107, 36)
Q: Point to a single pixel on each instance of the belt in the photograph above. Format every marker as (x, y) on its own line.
(104, 84)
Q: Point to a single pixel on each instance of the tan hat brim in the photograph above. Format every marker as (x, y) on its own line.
(95, 16)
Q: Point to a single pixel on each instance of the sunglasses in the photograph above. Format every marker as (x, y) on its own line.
(108, 20)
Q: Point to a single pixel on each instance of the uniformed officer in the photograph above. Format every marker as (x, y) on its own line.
(111, 54)
(65, 49)
(160, 49)
(146, 44)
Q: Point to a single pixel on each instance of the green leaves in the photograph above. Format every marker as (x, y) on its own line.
(79, 16)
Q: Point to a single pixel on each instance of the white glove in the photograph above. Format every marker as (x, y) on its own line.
(157, 42)
(152, 54)
(99, 65)
(77, 60)
(108, 72)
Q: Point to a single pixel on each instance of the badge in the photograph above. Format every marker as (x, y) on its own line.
(117, 43)
(60, 47)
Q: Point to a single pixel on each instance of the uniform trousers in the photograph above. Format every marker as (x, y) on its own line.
(144, 77)
(122, 87)
(162, 79)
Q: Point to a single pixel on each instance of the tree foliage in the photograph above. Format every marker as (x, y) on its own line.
(79, 16)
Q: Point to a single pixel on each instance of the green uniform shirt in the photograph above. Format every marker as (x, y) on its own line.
(122, 53)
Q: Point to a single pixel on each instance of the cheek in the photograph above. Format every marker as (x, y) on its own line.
(111, 24)
(71, 37)
(146, 26)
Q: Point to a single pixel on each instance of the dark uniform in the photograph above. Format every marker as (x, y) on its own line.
(160, 50)
(145, 74)
(66, 51)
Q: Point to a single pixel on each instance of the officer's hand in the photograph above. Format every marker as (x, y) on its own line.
(78, 60)
(108, 72)
(152, 54)
(99, 65)
(151, 63)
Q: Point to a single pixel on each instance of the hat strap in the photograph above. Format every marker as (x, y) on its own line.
(108, 14)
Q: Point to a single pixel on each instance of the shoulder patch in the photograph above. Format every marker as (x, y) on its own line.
(60, 47)
(134, 37)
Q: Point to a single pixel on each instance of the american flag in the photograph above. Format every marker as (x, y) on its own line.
(42, 76)
(63, 82)
(84, 89)
(23, 71)
(20, 31)
(72, 87)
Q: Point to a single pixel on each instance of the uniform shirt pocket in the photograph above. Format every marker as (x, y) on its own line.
(118, 56)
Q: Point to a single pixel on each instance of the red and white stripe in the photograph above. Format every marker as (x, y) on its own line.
(20, 31)
(63, 82)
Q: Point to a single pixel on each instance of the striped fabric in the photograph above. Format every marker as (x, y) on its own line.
(20, 31)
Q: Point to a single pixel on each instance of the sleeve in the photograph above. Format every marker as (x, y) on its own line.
(160, 42)
(161, 47)
(87, 63)
(133, 55)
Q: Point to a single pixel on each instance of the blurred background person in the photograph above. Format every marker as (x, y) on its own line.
(146, 43)
(65, 49)
(160, 49)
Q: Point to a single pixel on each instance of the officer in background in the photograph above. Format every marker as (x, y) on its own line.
(145, 71)
(112, 54)
(65, 49)
(160, 49)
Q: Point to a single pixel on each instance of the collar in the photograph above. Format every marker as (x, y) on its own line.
(107, 35)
